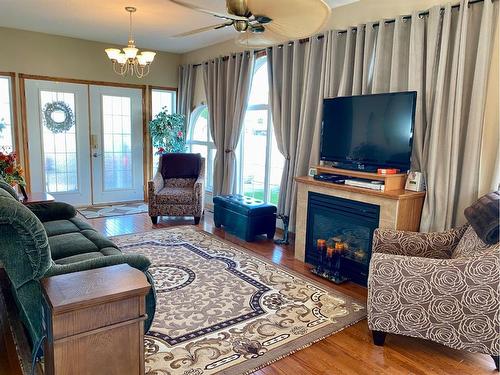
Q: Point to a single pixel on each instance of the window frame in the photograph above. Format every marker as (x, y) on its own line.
(259, 63)
(195, 114)
(11, 77)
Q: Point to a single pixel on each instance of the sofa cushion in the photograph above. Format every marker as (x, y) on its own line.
(180, 183)
(176, 195)
(68, 244)
(470, 245)
(57, 227)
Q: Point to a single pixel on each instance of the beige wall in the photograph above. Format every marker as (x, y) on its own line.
(62, 57)
(372, 10)
(57, 56)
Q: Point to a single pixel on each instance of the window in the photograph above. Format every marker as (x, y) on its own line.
(261, 163)
(162, 99)
(200, 141)
(6, 114)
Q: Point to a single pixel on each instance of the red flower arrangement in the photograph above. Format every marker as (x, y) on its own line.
(10, 170)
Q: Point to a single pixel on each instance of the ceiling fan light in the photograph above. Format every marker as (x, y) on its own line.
(149, 56)
(130, 52)
(112, 53)
(121, 58)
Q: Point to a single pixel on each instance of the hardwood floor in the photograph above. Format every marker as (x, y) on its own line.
(350, 351)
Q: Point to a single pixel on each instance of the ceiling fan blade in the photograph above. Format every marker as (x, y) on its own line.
(203, 29)
(261, 39)
(206, 11)
(293, 19)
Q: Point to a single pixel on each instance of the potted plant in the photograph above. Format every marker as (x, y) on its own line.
(167, 132)
(11, 171)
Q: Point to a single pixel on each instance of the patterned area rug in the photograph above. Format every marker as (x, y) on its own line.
(222, 309)
(93, 212)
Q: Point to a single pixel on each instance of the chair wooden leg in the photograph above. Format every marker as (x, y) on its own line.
(496, 358)
(378, 337)
(154, 219)
(197, 220)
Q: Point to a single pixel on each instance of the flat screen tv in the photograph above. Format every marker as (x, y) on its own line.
(369, 131)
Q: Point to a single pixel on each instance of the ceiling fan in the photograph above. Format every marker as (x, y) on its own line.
(264, 21)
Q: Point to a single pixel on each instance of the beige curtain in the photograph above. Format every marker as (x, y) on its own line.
(445, 58)
(295, 83)
(227, 86)
(185, 93)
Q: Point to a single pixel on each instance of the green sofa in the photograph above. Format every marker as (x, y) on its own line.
(46, 239)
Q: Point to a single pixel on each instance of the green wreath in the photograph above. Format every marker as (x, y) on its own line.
(54, 125)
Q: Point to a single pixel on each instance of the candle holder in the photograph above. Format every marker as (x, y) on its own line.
(321, 246)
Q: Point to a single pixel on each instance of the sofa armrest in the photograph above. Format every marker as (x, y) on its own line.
(137, 261)
(155, 185)
(450, 301)
(427, 245)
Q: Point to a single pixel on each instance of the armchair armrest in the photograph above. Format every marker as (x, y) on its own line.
(450, 301)
(52, 211)
(428, 245)
(137, 261)
(155, 185)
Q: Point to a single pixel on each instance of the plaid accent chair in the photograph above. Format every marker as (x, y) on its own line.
(178, 188)
(437, 286)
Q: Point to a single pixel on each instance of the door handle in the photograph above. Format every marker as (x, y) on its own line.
(95, 155)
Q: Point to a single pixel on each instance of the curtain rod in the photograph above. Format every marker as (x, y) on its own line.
(376, 24)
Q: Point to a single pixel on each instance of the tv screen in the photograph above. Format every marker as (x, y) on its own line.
(369, 131)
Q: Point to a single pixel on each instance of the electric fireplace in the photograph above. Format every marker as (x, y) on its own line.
(339, 237)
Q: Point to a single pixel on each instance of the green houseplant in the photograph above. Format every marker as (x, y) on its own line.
(167, 132)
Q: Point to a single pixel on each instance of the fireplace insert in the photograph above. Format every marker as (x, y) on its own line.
(346, 221)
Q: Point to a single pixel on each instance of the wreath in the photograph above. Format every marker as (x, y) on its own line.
(52, 123)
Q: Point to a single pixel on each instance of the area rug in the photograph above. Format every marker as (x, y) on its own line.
(222, 309)
(94, 212)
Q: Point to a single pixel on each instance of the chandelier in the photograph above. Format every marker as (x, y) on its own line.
(130, 61)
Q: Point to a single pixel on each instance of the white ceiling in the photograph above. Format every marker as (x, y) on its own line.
(106, 21)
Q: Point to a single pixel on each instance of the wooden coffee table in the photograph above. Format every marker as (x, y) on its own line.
(37, 198)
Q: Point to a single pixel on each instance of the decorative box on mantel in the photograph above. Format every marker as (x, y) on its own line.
(329, 210)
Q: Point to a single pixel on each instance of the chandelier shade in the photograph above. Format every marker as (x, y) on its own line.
(130, 61)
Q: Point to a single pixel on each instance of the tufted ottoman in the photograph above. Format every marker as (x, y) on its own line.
(244, 217)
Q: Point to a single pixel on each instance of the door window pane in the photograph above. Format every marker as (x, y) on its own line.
(59, 149)
(6, 138)
(117, 161)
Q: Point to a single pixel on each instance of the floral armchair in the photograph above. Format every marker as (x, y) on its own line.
(437, 286)
(178, 187)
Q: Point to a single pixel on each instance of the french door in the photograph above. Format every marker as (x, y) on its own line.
(95, 156)
(116, 141)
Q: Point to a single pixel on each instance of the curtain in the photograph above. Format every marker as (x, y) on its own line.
(295, 83)
(185, 95)
(445, 57)
(227, 86)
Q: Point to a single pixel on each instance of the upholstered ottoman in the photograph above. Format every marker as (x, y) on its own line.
(244, 217)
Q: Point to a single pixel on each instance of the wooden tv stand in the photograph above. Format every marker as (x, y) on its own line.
(399, 208)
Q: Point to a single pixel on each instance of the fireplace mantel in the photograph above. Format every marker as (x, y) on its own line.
(399, 209)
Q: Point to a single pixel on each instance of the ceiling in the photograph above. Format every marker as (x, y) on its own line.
(106, 21)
